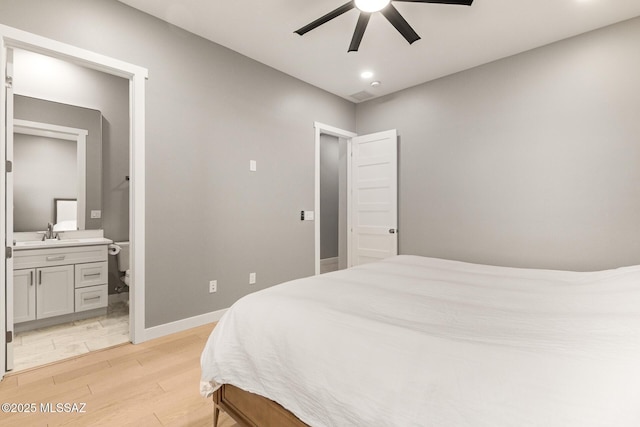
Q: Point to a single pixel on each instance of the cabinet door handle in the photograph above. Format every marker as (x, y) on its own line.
(39, 277)
(55, 258)
(91, 299)
(91, 275)
(31, 278)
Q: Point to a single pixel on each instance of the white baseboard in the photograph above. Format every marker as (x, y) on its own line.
(329, 264)
(182, 325)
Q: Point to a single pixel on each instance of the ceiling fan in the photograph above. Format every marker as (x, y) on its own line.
(367, 7)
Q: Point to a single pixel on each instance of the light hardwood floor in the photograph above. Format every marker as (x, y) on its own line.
(150, 384)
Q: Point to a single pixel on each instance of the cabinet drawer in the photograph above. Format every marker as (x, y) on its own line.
(91, 274)
(33, 258)
(91, 297)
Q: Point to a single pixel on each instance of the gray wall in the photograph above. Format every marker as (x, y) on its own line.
(530, 161)
(44, 169)
(329, 195)
(209, 111)
(39, 110)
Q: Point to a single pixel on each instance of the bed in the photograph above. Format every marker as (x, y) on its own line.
(414, 341)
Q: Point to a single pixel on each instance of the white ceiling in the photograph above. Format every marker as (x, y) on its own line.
(454, 38)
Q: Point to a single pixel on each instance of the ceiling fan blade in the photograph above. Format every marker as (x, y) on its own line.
(460, 2)
(326, 18)
(393, 16)
(363, 20)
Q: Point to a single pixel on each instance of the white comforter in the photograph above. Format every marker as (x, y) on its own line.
(414, 341)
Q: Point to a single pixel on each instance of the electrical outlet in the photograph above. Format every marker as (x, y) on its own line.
(96, 214)
(213, 286)
(252, 278)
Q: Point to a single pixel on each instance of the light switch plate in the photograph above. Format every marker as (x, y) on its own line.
(253, 166)
(309, 215)
(96, 214)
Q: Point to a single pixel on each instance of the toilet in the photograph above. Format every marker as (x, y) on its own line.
(121, 251)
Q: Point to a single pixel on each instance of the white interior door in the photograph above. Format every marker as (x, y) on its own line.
(9, 208)
(374, 197)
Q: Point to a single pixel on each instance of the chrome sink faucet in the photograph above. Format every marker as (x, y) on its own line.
(49, 234)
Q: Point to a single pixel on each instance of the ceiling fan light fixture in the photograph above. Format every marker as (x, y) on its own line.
(371, 6)
(366, 8)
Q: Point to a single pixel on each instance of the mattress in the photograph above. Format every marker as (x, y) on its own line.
(414, 341)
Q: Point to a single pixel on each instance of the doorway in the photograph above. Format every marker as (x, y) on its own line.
(371, 187)
(333, 203)
(334, 146)
(70, 140)
(11, 39)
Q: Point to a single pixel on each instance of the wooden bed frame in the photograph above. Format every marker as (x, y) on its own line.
(251, 410)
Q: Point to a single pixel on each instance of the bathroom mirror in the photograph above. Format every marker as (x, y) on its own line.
(57, 166)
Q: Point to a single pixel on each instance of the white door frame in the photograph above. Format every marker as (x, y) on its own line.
(13, 38)
(322, 129)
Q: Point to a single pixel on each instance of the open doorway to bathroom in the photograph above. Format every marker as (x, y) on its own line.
(55, 92)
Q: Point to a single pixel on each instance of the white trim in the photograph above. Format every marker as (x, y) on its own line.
(14, 38)
(183, 325)
(48, 130)
(322, 129)
(6, 225)
(79, 136)
(329, 264)
(349, 201)
(137, 208)
(81, 198)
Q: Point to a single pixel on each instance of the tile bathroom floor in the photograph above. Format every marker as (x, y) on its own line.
(41, 346)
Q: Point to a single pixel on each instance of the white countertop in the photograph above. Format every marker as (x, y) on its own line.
(55, 243)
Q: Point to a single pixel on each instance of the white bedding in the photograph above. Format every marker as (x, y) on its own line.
(413, 341)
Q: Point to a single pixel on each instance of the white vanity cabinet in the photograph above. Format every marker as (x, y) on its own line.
(57, 281)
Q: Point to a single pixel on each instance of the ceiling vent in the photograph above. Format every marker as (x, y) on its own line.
(361, 96)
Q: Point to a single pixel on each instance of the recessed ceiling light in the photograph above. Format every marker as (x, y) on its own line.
(371, 5)
(376, 83)
(366, 74)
